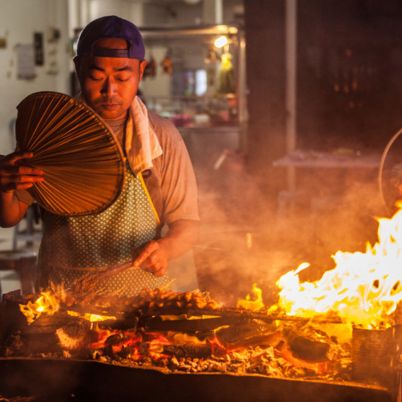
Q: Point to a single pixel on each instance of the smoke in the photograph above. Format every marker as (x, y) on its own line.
(251, 234)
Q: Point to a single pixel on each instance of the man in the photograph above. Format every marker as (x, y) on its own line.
(159, 185)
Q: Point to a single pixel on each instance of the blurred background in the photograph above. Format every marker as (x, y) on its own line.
(285, 107)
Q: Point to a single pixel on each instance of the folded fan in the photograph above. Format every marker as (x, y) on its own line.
(81, 159)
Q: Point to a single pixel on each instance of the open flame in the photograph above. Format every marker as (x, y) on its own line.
(252, 302)
(363, 289)
(47, 302)
(91, 317)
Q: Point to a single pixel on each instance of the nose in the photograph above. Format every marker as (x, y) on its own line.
(109, 87)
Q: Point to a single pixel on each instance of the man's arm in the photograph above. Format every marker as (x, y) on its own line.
(180, 201)
(12, 210)
(181, 236)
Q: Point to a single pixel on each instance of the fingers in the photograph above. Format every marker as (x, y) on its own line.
(28, 170)
(18, 156)
(155, 264)
(18, 180)
(10, 183)
(152, 259)
(10, 170)
(15, 175)
(149, 248)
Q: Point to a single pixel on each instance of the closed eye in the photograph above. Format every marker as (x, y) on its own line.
(122, 78)
(95, 77)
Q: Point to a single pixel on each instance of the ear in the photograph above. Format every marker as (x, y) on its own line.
(80, 64)
(76, 61)
(142, 66)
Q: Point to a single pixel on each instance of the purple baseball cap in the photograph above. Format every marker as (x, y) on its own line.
(111, 27)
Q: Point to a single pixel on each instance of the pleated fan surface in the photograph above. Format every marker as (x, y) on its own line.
(82, 160)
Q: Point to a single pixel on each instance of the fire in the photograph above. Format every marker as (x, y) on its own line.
(91, 317)
(47, 303)
(363, 289)
(252, 302)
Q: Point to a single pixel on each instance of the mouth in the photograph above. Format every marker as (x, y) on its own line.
(109, 106)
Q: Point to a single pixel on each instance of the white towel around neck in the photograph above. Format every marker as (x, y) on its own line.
(142, 144)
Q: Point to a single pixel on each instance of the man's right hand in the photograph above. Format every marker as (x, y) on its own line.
(17, 174)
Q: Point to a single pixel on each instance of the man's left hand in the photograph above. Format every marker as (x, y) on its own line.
(153, 258)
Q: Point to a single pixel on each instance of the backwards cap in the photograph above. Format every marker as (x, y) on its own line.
(111, 27)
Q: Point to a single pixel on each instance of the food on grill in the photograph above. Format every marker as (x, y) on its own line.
(167, 300)
(82, 161)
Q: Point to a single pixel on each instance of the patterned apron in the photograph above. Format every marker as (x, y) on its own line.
(74, 246)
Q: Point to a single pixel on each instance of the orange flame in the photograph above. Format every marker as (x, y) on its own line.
(91, 317)
(47, 303)
(363, 289)
(252, 302)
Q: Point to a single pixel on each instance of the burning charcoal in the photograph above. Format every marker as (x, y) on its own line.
(247, 334)
(72, 337)
(283, 350)
(188, 350)
(114, 339)
(308, 349)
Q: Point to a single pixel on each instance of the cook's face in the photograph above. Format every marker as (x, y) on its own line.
(109, 84)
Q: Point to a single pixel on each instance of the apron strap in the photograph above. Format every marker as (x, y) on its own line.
(149, 197)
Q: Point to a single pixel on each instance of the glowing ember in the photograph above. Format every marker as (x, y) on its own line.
(47, 303)
(363, 289)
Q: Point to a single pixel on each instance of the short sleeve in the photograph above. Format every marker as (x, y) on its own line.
(178, 182)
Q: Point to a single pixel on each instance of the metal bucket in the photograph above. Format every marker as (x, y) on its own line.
(373, 353)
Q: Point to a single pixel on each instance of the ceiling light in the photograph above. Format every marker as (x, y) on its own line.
(221, 41)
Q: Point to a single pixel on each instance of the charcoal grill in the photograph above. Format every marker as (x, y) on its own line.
(82, 380)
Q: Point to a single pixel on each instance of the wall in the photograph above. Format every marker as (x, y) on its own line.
(349, 73)
(131, 10)
(266, 80)
(178, 13)
(19, 19)
(160, 85)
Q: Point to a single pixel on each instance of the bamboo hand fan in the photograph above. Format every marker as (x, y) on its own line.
(82, 161)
